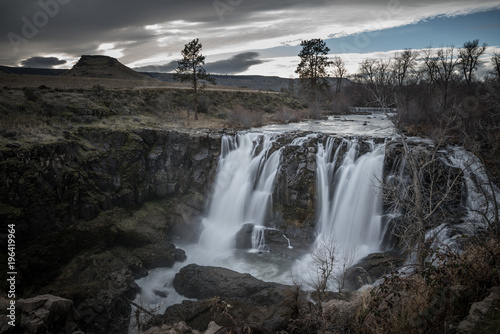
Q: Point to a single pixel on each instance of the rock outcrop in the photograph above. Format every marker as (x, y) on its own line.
(249, 298)
(295, 193)
(371, 268)
(46, 187)
(47, 314)
(481, 315)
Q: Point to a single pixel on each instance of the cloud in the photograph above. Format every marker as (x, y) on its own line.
(236, 64)
(42, 62)
(169, 67)
(158, 30)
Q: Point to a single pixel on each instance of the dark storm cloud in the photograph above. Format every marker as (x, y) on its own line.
(236, 64)
(169, 67)
(76, 27)
(42, 62)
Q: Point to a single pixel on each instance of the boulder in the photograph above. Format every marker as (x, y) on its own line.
(371, 268)
(274, 241)
(243, 239)
(47, 314)
(201, 282)
(159, 255)
(477, 321)
(245, 297)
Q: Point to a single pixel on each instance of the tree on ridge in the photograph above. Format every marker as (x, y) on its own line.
(191, 69)
(312, 67)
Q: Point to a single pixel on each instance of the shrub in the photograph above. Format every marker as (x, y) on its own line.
(244, 118)
(286, 115)
(436, 296)
(30, 94)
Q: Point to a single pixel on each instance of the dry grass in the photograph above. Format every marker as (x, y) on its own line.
(68, 82)
(37, 110)
(435, 297)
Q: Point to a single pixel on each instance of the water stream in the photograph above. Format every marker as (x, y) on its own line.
(349, 206)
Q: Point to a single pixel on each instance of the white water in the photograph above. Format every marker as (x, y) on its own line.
(349, 208)
(350, 205)
(242, 191)
(480, 200)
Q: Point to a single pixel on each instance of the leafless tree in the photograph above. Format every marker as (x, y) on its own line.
(422, 196)
(329, 265)
(444, 68)
(469, 58)
(323, 265)
(378, 80)
(404, 63)
(429, 66)
(496, 66)
(339, 72)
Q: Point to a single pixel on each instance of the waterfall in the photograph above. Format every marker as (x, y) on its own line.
(481, 200)
(242, 191)
(258, 239)
(350, 207)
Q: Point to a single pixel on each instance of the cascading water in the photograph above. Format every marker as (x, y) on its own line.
(350, 207)
(349, 224)
(242, 194)
(242, 191)
(481, 200)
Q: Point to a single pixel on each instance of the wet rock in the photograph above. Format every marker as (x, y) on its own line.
(274, 241)
(250, 299)
(243, 239)
(159, 255)
(371, 268)
(194, 281)
(295, 192)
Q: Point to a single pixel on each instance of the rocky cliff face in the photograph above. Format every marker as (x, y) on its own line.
(294, 197)
(47, 187)
(95, 211)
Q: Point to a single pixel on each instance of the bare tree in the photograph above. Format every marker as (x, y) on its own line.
(421, 197)
(404, 63)
(378, 80)
(329, 265)
(446, 65)
(429, 67)
(496, 66)
(339, 72)
(323, 265)
(469, 58)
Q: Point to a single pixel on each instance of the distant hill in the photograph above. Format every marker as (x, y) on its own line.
(29, 70)
(258, 82)
(103, 67)
(110, 68)
(241, 81)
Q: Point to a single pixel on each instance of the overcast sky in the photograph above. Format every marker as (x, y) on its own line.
(238, 36)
